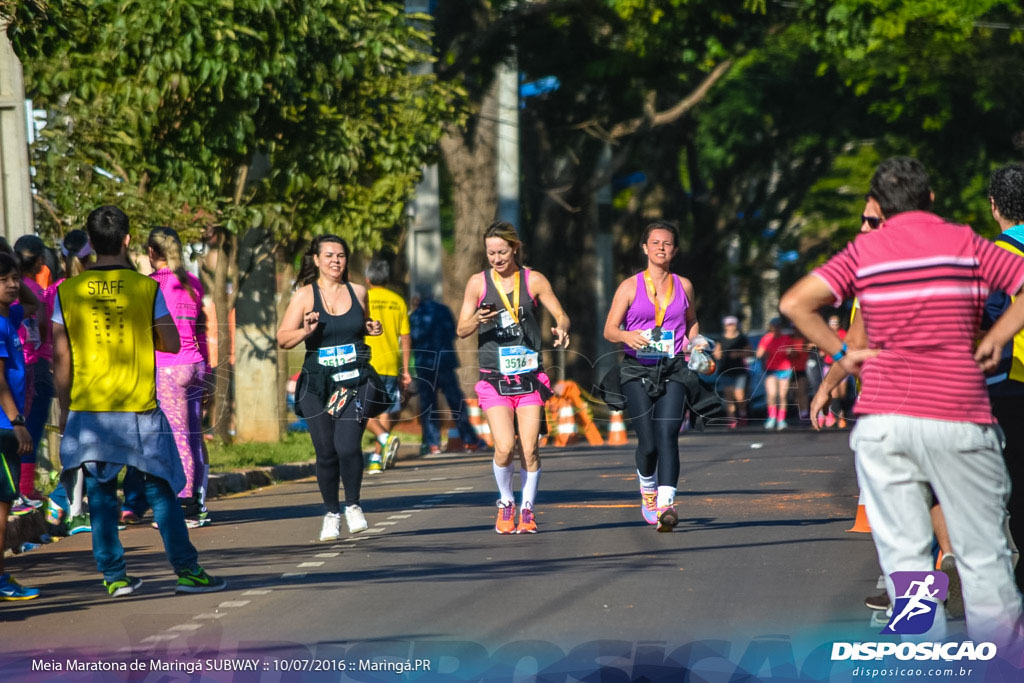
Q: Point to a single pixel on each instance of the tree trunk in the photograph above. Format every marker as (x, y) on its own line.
(215, 270)
(257, 399)
(285, 279)
(470, 157)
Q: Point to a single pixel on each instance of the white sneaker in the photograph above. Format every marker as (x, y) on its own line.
(331, 530)
(355, 519)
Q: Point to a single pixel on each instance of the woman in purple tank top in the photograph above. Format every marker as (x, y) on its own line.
(652, 315)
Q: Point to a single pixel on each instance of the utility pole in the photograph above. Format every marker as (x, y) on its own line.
(16, 216)
(508, 144)
(423, 247)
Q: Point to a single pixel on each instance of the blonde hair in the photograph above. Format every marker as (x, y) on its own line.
(166, 244)
(507, 232)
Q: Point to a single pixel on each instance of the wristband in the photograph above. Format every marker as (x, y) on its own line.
(838, 355)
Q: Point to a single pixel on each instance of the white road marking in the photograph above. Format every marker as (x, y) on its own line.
(233, 603)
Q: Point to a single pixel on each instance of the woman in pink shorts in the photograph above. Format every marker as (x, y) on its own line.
(501, 304)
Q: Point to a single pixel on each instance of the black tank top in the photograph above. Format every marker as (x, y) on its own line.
(494, 335)
(339, 340)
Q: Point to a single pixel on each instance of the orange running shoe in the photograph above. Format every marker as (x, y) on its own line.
(506, 523)
(527, 523)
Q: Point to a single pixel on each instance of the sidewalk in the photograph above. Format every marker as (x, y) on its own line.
(31, 527)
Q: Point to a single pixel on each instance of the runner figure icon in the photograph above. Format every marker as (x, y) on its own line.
(920, 600)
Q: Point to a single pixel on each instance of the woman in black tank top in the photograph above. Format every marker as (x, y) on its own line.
(336, 391)
(501, 304)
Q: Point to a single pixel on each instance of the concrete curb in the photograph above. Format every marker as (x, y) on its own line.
(31, 527)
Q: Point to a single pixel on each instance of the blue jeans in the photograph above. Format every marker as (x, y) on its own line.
(135, 492)
(447, 382)
(105, 512)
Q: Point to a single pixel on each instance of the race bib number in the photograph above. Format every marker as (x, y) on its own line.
(346, 375)
(663, 348)
(517, 360)
(336, 356)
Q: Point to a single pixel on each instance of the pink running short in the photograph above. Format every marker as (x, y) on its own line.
(490, 398)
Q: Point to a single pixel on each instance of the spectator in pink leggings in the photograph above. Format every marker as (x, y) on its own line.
(180, 376)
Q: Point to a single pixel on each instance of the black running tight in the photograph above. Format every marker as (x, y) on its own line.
(338, 445)
(656, 424)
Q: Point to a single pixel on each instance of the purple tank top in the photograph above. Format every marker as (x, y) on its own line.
(640, 315)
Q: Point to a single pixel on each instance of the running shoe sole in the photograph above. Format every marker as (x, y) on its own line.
(667, 520)
(390, 453)
(131, 584)
(212, 587)
(955, 597)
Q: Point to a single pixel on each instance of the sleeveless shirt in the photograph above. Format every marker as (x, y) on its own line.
(503, 331)
(339, 340)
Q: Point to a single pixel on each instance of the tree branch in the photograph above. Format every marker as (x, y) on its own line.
(652, 119)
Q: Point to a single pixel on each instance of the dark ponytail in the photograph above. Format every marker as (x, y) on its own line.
(308, 271)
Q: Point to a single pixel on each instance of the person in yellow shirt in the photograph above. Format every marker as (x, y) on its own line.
(390, 355)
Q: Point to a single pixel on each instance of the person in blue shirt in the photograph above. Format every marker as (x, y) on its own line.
(1006, 384)
(14, 436)
(432, 328)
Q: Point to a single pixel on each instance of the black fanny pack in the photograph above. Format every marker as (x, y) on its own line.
(324, 382)
(517, 385)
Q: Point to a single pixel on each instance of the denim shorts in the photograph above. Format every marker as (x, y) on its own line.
(394, 394)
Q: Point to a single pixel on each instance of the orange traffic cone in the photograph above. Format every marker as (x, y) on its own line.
(617, 430)
(476, 418)
(566, 425)
(860, 524)
(454, 444)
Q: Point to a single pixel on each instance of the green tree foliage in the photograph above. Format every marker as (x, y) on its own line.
(297, 116)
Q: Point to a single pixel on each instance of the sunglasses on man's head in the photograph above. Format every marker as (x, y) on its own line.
(873, 221)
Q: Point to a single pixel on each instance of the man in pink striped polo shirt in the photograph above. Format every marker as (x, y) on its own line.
(924, 415)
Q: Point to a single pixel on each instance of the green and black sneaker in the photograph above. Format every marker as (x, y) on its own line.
(126, 585)
(198, 581)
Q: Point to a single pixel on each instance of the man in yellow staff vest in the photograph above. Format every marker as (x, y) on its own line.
(108, 323)
(1006, 384)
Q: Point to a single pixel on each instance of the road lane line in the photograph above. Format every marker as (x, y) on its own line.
(327, 554)
(186, 627)
(233, 603)
(304, 565)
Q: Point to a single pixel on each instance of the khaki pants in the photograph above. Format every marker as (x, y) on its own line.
(898, 457)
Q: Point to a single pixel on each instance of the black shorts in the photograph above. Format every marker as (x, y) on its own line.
(10, 466)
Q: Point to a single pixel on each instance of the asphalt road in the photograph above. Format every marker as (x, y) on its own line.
(760, 574)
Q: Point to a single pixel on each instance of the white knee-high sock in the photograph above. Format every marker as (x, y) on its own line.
(503, 476)
(530, 481)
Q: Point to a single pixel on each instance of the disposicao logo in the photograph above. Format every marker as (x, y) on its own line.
(918, 595)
